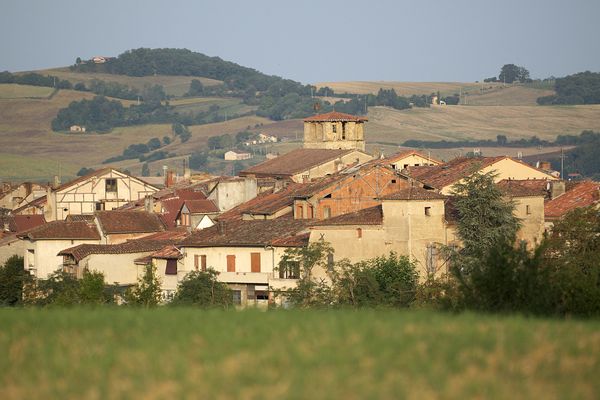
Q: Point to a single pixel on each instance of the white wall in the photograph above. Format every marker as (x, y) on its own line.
(44, 258)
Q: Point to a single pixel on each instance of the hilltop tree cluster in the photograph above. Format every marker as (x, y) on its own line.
(581, 88)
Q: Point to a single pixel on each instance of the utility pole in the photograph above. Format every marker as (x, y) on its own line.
(562, 163)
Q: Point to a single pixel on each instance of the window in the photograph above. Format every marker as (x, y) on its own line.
(99, 206)
(405, 166)
(236, 296)
(343, 130)
(203, 262)
(200, 262)
(334, 128)
(291, 270)
(171, 267)
(428, 211)
(299, 211)
(359, 233)
(528, 209)
(111, 186)
(185, 219)
(254, 262)
(326, 212)
(309, 211)
(261, 295)
(393, 181)
(230, 263)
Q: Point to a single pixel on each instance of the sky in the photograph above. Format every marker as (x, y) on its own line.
(316, 41)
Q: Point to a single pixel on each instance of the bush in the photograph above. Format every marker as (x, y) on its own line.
(12, 279)
(202, 289)
(147, 292)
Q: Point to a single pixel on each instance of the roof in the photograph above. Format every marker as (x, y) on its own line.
(366, 216)
(97, 173)
(585, 193)
(201, 206)
(414, 193)
(278, 232)
(403, 154)
(39, 202)
(56, 230)
(440, 176)
(117, 221)
(335, 116)
(296, 161)
(518, 188)
(265, 203)
(21, 223)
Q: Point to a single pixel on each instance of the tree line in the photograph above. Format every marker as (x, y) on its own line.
(580, 88)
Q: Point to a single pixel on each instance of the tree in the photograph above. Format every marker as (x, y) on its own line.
(300, 262)
(196, 88)
(12, 279)
(166, 140)
(501, 140)
(145, 169)
(147, 292)
(92, 290)
(198, 160)
(511, 72)
(485, 218)
(202, 289)
(84, 171)
(60, 289)
(154, 144)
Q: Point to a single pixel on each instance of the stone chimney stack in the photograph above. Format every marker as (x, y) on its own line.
(149, 204)
(557, 188)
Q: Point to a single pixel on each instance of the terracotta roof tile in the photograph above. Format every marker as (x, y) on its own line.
(247, 233)
(201, 206)
(21, 223)
(335, 116)
(56, 230)
(414, 193)
(268, 203)
(295, 161)
(367, 216)
(129, 222)
(583, 194)
(519, 188)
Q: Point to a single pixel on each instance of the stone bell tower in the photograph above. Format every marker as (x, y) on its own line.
(334, 130)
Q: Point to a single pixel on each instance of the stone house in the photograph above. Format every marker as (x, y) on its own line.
(334, 130)
(235, 155)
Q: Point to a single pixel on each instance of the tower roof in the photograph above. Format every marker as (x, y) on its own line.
(335, 116)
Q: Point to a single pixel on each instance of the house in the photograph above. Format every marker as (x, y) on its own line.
(118, 262)
(302, 165)
(444, 176)
(118, 226)
(77, 129)
(246, 254)
(569, 197)
(411, 158)
(42, 244)
(105, 189)
(235, 155)
(13, 196)
(227, 192)
(13, 225)
(197, 214)
(334, 130)
(101, 59)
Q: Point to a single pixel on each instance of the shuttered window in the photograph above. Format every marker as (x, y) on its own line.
(203, 262)
(196, 262)
(230, 263)
(255, 262)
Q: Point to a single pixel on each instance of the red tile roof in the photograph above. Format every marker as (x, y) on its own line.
(367, 216)
(265, 203)
(57, 230)
(201, 206)
(519, 188)
(585, 193)
(21, 223)
(295, 161)
(248, 234)
(129, 222)
(335, 116)
(414, 193)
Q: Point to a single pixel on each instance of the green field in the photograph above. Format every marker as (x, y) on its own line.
(15, 91)
(184, 353)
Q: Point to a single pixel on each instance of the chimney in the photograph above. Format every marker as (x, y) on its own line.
(149, 204)
(221, 227)
(557, 188)
(169, 179)
(186, 170)
(28, 188)
(56, 181)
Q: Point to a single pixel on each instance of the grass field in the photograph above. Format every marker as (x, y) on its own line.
(184, 353)
(227, 106)
(173, 85)
(15, 91)
(403, 88)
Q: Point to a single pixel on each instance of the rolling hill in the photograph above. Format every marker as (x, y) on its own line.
(29, 149)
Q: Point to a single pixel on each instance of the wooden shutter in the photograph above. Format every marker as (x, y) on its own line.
(196, 261)
(255, 262)
(230, 263)
(203, 262)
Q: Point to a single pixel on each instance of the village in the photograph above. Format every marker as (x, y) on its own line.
(331, 190)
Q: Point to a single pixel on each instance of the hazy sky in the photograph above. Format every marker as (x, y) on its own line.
(312, 41)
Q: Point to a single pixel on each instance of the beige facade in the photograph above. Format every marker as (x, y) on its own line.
(412, 159)
(24, 192)
(10, 246)
(104, 190)
(332, 166)
(41, 256)
(334, 135)
(530, 210)
(507, 168)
